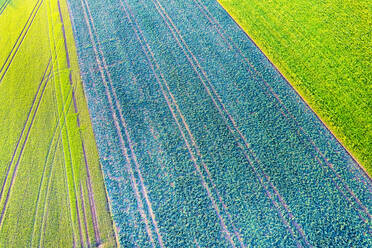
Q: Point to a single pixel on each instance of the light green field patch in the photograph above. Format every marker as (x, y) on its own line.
(49, 198)
(323, 48)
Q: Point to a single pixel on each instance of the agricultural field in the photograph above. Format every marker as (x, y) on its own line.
(52, 192)
(203, 143)
(324, 49)
(161, 123)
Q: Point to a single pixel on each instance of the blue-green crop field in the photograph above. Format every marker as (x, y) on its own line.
(160, 123)
(203, 143)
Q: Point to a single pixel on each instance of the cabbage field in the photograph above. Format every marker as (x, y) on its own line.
(203, 143)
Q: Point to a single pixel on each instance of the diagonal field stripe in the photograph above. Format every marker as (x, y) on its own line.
(20, 154)
(23, 129)
(18, 43)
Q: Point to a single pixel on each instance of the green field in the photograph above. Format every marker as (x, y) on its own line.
(323, 48)
(52, 191)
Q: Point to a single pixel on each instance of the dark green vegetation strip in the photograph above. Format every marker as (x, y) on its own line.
(323, 48)
(52, 192)
(202, 142)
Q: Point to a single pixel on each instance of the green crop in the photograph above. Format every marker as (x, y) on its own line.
(323, 49)
(52, 190)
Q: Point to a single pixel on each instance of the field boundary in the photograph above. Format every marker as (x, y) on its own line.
(89, 119)
(355, 160)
